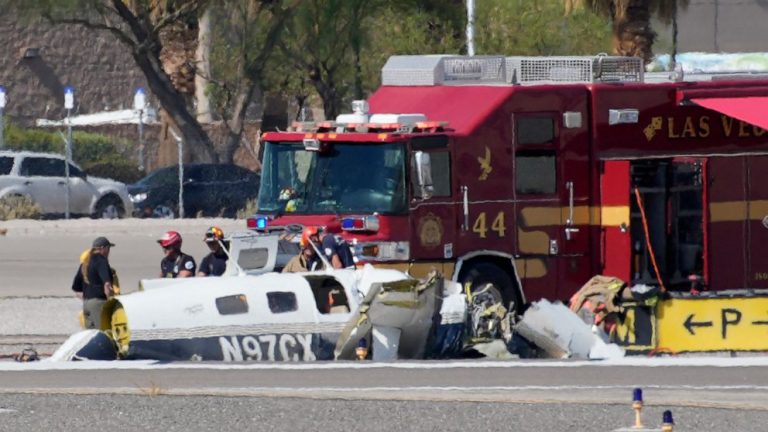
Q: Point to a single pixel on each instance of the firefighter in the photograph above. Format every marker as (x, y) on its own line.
(175, 263)
(215, 263)
(307, 259)
(93, 281)
(336, 250)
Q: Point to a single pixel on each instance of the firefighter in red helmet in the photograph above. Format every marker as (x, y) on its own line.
(175, 263)
(307, 259)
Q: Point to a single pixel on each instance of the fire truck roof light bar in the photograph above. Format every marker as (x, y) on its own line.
(430, 70)
(395, 127)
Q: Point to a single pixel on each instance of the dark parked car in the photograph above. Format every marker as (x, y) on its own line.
(209, 189)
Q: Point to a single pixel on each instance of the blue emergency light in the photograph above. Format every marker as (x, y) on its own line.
(637, 395)
(257, 223)
(261, 223)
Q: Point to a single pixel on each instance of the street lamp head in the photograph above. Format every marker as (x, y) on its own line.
(139, 99)
(2, 97)
(69, 97)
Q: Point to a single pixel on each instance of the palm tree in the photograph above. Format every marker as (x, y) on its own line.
(632, 32)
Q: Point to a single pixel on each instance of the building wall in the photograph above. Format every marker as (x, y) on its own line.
(723, 26)
(39, 60)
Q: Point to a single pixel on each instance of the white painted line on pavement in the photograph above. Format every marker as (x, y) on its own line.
(622, 362)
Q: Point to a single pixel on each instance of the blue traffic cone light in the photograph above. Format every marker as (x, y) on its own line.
(362, 349)
(667, 423)
(637, 405)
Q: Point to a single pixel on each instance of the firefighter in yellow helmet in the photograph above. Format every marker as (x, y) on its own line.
(215, 263)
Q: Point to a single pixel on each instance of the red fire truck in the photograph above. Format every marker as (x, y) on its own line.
(535, 174)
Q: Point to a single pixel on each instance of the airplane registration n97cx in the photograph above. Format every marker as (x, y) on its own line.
(323, 315)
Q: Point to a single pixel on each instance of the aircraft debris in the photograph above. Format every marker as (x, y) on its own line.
(562, 334)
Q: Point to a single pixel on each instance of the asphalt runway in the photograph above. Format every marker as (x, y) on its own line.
(558, 396)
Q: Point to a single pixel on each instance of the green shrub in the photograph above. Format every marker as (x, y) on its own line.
(105, 155)
(18, 207)
(116, 167)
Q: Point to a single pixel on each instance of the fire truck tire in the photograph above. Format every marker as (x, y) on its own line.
(504, 289)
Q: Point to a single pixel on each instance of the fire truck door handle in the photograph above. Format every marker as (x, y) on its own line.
(569, 229)
(569, 186)
(465, 193)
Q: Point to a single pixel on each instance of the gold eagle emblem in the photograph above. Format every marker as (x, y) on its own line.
(485, 164)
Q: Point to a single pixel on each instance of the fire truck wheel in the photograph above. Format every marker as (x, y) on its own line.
(503, 289)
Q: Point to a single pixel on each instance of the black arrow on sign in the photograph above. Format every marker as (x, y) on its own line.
(760, 322)
(690, 324)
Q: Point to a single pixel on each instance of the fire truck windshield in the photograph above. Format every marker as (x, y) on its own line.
(348, 178)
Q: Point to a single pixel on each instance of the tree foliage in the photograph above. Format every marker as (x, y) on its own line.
(146, 27)
(631, 20)
(245, 34)
(334, 49)
(140, 26)
(524, 27)
(324, 52)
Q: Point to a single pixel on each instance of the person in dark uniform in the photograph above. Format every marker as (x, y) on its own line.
(215, 263)
(93, 282)
(336, 250)
(175, 264)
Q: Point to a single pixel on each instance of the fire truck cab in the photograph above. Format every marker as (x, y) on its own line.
(534, 174)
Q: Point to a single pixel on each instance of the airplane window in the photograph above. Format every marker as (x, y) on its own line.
(281, 302)
(329, 294)
(252, 259)
(232, 305)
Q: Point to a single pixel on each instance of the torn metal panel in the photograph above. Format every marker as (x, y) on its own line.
(398, 316)
(562, 334)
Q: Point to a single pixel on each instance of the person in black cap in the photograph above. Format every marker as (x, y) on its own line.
(93, 281)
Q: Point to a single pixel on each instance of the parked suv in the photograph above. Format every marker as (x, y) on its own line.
(209, 190)
(41, 177)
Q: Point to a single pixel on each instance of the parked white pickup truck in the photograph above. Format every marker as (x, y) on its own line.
(41, 177)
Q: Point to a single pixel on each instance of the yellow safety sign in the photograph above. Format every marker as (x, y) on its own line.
(713, 324)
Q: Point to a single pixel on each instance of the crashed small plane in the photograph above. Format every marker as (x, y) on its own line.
(323, 315)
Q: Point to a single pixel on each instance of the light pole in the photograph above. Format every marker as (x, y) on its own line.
(140, 104)
(180, 145)
(2, 123)
(470, 27)
(69, 103)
